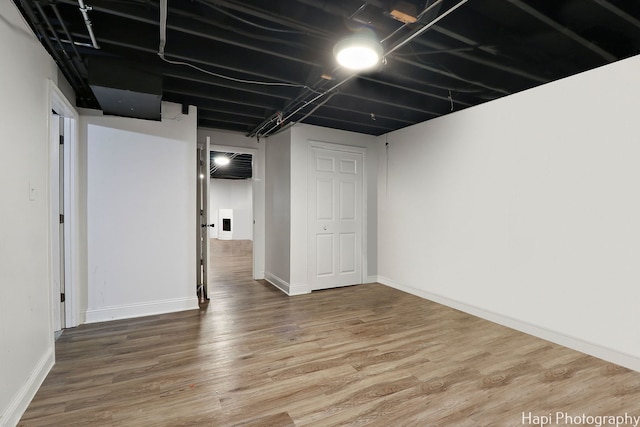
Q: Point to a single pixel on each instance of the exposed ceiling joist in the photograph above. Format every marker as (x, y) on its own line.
(252, 66)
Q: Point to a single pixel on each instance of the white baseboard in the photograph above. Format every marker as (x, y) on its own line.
(371, 279)
(592, 349)
(12, 414)
(299, 289)
(284, 286)
(149, 308)
(258, 275)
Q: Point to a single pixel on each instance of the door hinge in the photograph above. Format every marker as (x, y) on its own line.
(61, 139)
(61, 219)
(62, 297)
(201, 262)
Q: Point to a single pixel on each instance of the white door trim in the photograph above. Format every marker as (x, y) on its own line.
(61, 105)
(363, 232)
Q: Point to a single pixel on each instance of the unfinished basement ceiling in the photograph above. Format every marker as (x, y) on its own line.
(240, 166)
(265, 64)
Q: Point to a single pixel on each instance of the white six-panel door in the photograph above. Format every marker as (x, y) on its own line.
(335, 185)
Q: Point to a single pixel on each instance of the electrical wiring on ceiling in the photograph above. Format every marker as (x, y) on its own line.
(254, 24)
(161, 54)
(283, 119)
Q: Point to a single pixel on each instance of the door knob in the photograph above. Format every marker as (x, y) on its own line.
(324, 228)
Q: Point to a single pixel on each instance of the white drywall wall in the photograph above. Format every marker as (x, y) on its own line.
(525, 210)
(26, 331)
(278, 209)
(141, 231)
(236, 194)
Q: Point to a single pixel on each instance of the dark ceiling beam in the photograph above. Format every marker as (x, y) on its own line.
(564, 30)
(229, 118)
(222, 105)
(266, 16)
(214, 98)
(619, 12)
(209, 112)
(61, 46)
(243, 88)
(212, 124)
(450, 75)
(359, 104)
(359, 127)
(235, 29)
(486, 62)
(334, 112)
(170, 84)
(373, 124)
(64, 63)
(251, 74)
(245, 44)
(410, 88)
(459, 37)
(377, 96)
(191, 28)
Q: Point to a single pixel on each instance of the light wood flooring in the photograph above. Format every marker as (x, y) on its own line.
(355, 356)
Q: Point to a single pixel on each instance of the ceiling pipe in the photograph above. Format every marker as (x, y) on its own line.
(85, 14)
(300, 99)
(512, 70)
(163, 28)
(279, 123)
(185, 30)
(57, 39)
(266, 16)
(54, 7)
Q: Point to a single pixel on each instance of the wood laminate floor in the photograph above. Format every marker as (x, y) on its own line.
(355, 356)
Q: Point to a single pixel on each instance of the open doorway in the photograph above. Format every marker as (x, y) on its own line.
(231, 210)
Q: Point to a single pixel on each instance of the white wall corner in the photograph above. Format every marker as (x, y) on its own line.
(25, 394)
(287, 288)
(283, 285)
(299, 289)
(595, 350)
(372, 279)
(128, 311)
(258, 275)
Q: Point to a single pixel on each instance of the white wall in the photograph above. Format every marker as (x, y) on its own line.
(300, 137)
(525, 211)
(241, 144)
(26, 330)
(141, 178)
(236, 194)
(278, 210)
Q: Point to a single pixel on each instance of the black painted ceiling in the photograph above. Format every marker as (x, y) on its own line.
(261, 62)
(240, 166)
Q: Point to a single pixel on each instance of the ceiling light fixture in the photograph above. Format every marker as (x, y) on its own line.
(358, 52)
(221, 160)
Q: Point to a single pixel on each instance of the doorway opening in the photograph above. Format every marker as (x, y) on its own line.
(231, 210)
